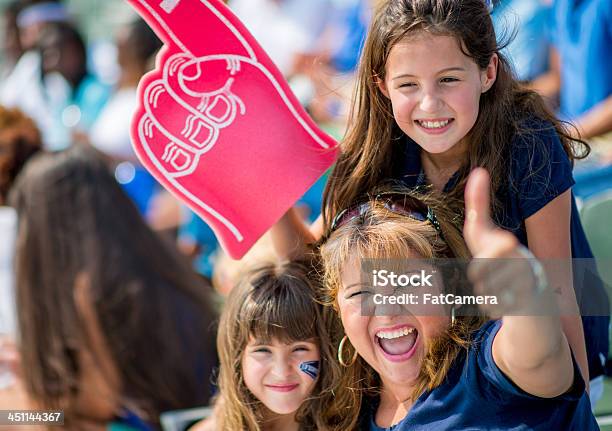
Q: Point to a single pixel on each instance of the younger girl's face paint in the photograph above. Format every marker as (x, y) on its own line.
(311, 368)
(274, 374)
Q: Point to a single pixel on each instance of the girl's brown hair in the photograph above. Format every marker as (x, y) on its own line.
(277, 301)
(373, 138)
(379, 233)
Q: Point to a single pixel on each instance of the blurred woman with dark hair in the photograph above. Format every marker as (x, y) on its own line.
(113, 323)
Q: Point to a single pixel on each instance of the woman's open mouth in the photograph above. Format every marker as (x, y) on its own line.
(398, 344)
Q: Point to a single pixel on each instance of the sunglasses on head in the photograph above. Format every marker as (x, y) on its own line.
(397, 203)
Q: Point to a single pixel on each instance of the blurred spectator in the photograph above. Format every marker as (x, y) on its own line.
(11, 45)
(34, 17)
(114, 325)
(347, 30)
(110, 134)
(289, 31)
(19, 140)
(75, 96)
(315, 44)
(580, 72)
(526, 24)
(136, 46)
(23, 87)
(197, 241)
(335, 62)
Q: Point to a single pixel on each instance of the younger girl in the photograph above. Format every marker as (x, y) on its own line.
(436, 98)
(277, 361)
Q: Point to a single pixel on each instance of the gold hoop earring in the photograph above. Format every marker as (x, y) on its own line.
(340, 359)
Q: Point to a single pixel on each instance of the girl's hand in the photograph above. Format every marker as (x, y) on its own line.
(291, 235)
(501, 267)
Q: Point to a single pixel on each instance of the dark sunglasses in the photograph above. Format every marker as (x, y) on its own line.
(397, 203)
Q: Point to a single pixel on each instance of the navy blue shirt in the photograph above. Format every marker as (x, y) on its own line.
(476, 395)
(539, 171)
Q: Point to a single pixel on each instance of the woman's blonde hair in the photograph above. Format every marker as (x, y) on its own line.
(276, 301)
(379, 233)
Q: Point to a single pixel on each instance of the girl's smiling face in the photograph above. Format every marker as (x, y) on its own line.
(281, 376)
(391, 339)
(435, 89)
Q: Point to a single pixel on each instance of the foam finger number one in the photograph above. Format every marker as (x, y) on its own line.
(218, 126)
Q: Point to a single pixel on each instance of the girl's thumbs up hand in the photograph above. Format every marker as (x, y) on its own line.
(499, 267)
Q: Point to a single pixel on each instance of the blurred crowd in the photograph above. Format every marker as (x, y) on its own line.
(88, 211)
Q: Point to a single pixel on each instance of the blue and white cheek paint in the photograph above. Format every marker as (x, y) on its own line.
(311, 368)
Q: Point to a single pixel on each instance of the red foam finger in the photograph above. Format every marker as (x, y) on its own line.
(184, 24)
(218, 125)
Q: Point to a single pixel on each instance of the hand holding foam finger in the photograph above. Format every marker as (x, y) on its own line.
(218, 125)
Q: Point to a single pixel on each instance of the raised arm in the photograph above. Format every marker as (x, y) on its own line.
(548, 235)
(530, 348)
(597, 121)
(548, 84)
(291, 235)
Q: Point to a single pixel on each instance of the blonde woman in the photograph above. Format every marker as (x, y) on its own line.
(412, 370)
